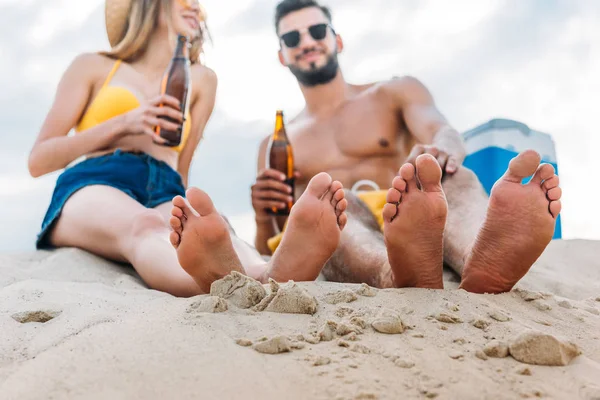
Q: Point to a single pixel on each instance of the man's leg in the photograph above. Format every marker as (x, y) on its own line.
(361, 256)
(409, 253)
(515, 228)
(467, 206)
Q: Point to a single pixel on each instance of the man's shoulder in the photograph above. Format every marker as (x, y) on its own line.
(405, 83)
(404, 89)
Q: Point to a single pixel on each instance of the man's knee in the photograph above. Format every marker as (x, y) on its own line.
(146, 222)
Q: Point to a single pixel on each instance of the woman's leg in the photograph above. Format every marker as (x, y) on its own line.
(109, 223)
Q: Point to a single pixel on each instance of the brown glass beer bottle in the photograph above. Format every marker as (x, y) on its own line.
(280, 158)
(176, 83)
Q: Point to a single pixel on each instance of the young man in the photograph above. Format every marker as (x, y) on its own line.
(391, 135)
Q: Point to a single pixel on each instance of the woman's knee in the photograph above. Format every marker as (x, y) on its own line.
(148, 222)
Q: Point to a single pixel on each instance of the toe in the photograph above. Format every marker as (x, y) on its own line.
(174, 239)
(342, 221)
(399, 184)
(429, 173)
(551, 183)
(200, 201)
(544, 172)
(389, 212)
(176, 224)
(522, 166)
(393, 196)
(555, 208)
(177, 212)
(335, 187)
(407, 172)
(181, 204)
(341, 206)
(554, 194)
(337, 197)
(319, 185)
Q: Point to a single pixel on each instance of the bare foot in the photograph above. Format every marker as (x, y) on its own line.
(201, 238)
(313, 231)
(414, 222)
(519, 225)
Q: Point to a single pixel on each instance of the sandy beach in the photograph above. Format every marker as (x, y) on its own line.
(74, 326)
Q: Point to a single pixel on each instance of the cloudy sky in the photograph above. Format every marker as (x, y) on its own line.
(535, 61)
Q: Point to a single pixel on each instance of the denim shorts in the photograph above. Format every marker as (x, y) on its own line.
(148, 181)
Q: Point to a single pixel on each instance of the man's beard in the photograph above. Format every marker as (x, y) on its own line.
(319, 76)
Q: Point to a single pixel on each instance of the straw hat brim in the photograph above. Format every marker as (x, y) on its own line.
(116, 13)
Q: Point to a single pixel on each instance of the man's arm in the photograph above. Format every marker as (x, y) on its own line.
(268, 191)
(425, 122)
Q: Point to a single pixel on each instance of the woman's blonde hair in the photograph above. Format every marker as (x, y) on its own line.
(142, 20)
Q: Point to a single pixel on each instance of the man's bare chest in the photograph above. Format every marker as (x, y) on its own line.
(354, 136)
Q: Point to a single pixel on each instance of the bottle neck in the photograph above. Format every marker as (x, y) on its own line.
(182, 50)
(279, 133)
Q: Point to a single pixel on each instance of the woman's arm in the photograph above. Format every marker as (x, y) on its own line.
(201, 110)
(53, 149)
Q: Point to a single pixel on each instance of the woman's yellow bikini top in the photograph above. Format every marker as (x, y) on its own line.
(112, 101)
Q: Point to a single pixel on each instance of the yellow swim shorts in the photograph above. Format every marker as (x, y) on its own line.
(374, 199)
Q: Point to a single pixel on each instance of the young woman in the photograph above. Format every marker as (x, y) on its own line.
(116, 203)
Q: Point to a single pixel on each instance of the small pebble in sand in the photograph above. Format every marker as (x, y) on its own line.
(288, 299)
(276, 345)
(344, 329)
(523, 371)
(480, 323)
(404, 363)
(443, 327)
(456, 355)
(388, 322)
(592, 310)
(459, 341)
(366, 291)
(297, 345)
(343, 343)
(598, 299)
(499, 316)
(418, 335)
(39, 316)
(210, 304)
(452, 307)
(342, 296)
(344, 312)
(244, 342)
(359, 348)
(322, 361)
(541, 349)
(240, 290)
(496, 349)
(565, 304)
(542, 306)
(327, 332)
(529, 296)
(481, 355)
(352, 336)
(448, 318)
(358, 321)
(312, 339)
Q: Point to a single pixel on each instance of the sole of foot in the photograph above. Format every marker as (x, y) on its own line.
(415, 218)
(312, 233)
(201, 237)
(518, 227)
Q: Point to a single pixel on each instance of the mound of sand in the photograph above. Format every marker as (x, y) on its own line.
(74, 326)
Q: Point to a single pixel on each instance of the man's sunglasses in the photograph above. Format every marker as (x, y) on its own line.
(317, 32)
